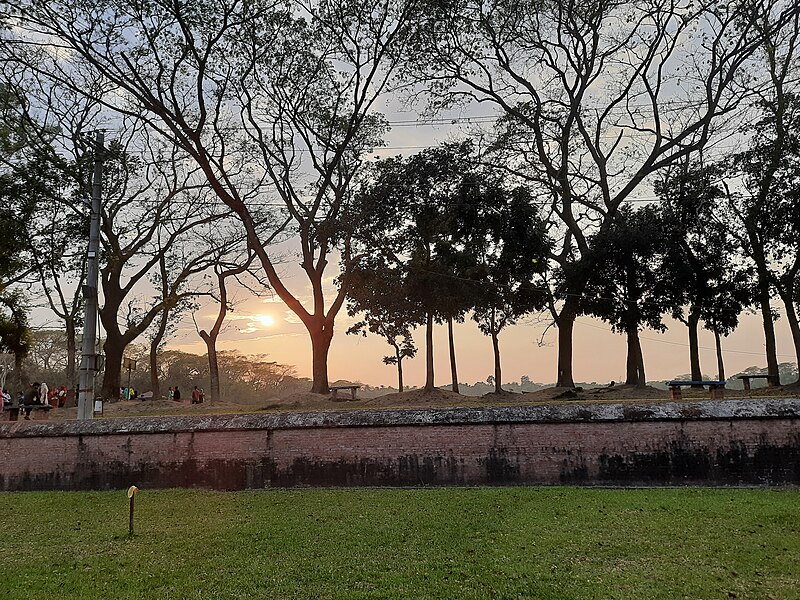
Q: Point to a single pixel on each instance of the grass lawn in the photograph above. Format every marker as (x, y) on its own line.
(417, 543)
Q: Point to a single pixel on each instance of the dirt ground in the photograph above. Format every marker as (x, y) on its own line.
(411, 399)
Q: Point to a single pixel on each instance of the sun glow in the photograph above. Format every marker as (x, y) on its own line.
(265, 320)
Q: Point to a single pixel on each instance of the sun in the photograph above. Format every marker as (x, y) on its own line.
(265, 320)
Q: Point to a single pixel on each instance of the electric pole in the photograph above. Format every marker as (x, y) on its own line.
(89, 358)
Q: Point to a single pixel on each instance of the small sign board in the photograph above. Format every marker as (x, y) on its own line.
(98, 407)
(129, 364)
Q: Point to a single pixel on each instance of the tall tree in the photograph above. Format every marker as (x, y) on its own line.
(595, 98)
(406, 215)
(175, 302)
(152, 207)
(504, 246)
(768, 170)
(788, 281)
(627, 287)
(378, 290)
(708, 284)
(231, 265)
(61, 224)
(27, 180)
(290, 86)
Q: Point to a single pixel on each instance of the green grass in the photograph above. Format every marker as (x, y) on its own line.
(548, 543)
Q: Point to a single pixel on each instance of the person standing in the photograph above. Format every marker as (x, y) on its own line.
(43, 394)
(30, 398)
(196, 395)
(176, 394)
(62, 397)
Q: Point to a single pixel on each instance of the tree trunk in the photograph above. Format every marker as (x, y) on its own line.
(399, 369)
(634, 360)
(155, 382)
(566, 324)
(321, 337)
(769, 331)
(631, 361)
(640, 362)
(114, 348)
(18, 377)
(453, 370)
(210, 337)
(429, 375)
(213, 365)
(498, 388)
(794, 327)
(720, 363)
(694, 347)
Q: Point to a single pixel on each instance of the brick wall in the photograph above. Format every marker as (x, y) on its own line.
(728, 442)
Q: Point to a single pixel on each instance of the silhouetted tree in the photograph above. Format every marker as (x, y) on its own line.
(592, 99)
(378, 291)
(259, 94)
(627, 287)
(502, 246)
(153, 209)
(407, 217)
(30, 176)
(768, 168)
(707, 283)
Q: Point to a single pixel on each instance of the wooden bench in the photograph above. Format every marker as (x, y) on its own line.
(335, 389)
(39, 412)
(716, 388)
(746, 380)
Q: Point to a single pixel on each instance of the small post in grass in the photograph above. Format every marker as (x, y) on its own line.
(131, 494)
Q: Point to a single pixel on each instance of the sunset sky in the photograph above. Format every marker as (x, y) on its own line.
(266, 326)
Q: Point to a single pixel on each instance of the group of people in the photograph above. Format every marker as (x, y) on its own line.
(198, 395)
(38, 393)
(127, 393)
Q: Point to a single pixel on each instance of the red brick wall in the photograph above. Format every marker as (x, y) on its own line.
(236, 454)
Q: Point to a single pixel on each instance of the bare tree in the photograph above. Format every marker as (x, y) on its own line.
(153, 207)
(48, 350)
(175, 301)
(764, 206)
(222, 272)
(595, 97)
(293, 86)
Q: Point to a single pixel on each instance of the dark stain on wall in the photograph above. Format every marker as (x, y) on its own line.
(574, 469)
(683, 462)
(500, 467)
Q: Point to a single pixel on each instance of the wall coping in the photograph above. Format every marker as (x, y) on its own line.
(762, 408)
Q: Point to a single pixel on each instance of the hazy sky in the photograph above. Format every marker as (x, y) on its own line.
(267, 326)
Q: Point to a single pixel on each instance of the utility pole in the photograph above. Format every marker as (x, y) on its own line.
(89, 359)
